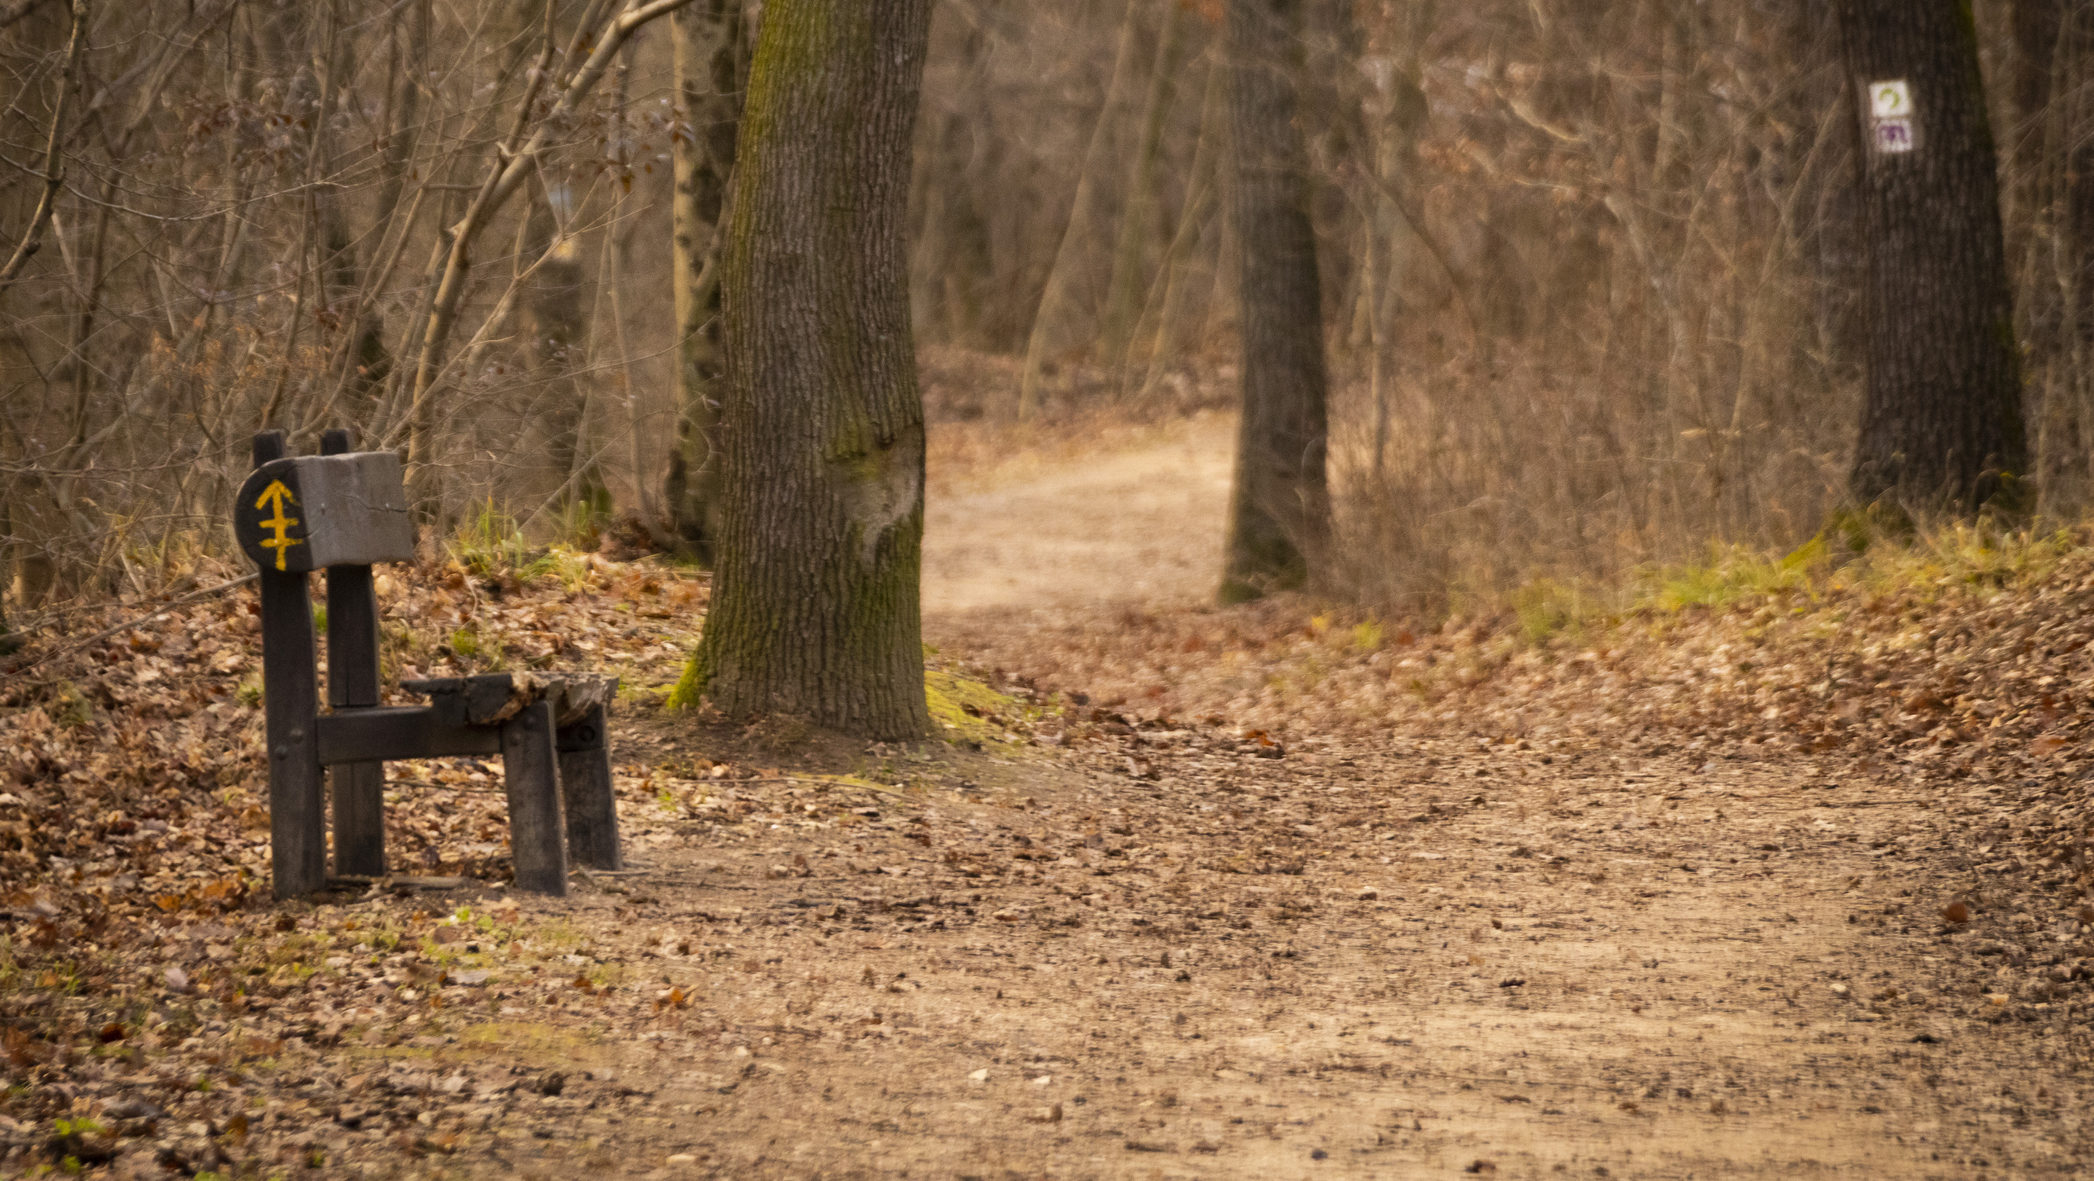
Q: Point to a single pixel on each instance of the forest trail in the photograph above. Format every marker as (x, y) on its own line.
(1169, 953)
(1137, 521)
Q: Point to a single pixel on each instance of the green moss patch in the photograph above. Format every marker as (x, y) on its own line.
(967, 710)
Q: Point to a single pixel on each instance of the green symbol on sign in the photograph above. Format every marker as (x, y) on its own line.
(276, 496)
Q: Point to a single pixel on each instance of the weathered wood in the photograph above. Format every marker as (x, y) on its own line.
(490, 698)
(291, 708)
(317, 511)
(337, 512)
(352, 680)
(587, 791)
(530, 771)
(400, 732)
(475, 701)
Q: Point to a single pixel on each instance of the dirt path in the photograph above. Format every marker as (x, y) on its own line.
(1424, 961)
(1137, 523)
(1173, 955)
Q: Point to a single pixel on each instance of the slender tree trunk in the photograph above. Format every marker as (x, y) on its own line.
(953, 265)
(1942, 426)
(556, 330)
(2032, 156)
(711, 58)
(2072, 154)
(2051, 233)
(1138, 220)
(1047, 318)
(815, 608)
(1279, 510)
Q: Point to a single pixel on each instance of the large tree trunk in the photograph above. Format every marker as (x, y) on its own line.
(1942, 426)
(1279, 511)
(815, 608)
(711, 57)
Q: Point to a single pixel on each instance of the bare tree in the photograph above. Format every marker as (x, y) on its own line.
(1279, 511)
(515, 158)
(711, 64)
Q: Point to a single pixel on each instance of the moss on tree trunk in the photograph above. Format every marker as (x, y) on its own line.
(815, 608)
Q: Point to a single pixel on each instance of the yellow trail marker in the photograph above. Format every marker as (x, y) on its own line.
(276, 496)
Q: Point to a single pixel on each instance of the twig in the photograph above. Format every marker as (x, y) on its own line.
(148, 617)
(54, 169)
(513, 163)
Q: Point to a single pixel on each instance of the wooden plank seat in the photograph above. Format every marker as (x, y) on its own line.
(342, 512)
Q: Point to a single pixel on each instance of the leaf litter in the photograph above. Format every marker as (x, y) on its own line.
(1217, 877)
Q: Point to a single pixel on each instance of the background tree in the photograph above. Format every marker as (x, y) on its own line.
(711, 61)
(1941, 425)
(815, 608)
(1591, 273)
(2050, 239)
(1279, 510)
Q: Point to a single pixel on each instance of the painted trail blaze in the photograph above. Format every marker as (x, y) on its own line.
(275, 497)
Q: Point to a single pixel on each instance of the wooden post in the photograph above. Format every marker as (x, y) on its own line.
(291, 706)
(585, 782)
(352, 680)
(528, 767)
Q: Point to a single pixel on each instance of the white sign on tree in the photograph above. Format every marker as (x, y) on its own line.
(1892, 125)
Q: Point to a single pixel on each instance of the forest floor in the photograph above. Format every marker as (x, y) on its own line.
(1789, 886)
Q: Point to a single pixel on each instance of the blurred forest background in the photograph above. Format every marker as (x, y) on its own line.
(1591, 271)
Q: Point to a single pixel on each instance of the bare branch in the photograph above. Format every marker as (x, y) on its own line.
(54, 170)
(512, 166)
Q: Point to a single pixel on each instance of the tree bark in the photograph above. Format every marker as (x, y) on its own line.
(1941, 425)
(815, 609)
(1279, 510)
(2050, 233)
(711, 58)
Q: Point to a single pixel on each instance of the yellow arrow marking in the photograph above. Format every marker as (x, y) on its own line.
(276, 496)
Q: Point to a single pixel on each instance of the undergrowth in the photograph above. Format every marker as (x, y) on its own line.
(1931, 563)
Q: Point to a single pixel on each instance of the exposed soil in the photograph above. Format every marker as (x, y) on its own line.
(1112, 942)
(1133, 520)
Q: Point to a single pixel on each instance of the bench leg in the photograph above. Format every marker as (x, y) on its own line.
(291, 701)
(528, 767)
(585, 782)
(359, 819)
(291, 705)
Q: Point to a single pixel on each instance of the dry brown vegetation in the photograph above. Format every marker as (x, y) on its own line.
(1589, 272)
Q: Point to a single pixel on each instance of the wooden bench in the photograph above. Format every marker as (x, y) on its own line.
(342, 512)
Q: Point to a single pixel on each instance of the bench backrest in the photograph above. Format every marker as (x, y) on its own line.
(314, 511)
